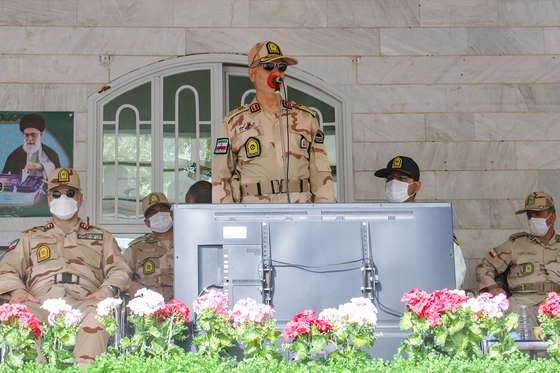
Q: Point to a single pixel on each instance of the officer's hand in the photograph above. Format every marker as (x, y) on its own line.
(33, 166)
(21, 295)
(495, 290)
(133, 288)
(101, 294)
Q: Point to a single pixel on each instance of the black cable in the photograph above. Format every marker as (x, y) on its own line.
(288, 137)
(386, 309)
(317, 267)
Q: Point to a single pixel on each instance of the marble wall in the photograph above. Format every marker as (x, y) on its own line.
(468, 88)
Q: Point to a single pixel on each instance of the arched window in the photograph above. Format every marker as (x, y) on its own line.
(154, 130)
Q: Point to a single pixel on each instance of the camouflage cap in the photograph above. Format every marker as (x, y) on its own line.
(402, 164)
(268, 51)
(153, 199)
(537, 201)
(64, 176)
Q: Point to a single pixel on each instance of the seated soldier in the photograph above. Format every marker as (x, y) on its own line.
(151, 256)
(67, 259)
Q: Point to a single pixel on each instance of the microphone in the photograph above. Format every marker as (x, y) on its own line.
(275, 82)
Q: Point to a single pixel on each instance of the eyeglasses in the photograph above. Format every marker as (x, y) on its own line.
(70, 193)
(268, 66)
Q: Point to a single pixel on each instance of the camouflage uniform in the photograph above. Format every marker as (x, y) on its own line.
(248, 164)
(87, 255)
(152, 264)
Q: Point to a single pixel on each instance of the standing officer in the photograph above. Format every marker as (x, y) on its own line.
(253, 154)
(66, 259)
(531, 259)
(151, 256)
(402, 183)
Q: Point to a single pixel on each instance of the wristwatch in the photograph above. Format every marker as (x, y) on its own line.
(114, 289)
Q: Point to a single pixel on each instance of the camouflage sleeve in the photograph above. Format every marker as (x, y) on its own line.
(14, 264)
(224, 167)
(116, 270)
(320, 178)
(129, 259)
(493, 264)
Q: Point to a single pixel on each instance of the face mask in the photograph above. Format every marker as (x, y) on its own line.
(397, 191)
(63, 207)
(161, 222)
(538, 227)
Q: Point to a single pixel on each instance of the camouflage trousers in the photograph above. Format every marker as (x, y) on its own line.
(531, 300)
(91, 340)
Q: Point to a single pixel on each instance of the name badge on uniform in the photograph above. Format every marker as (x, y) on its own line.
(149, 267)
(303, 142)
(252, 147)
(43, 253)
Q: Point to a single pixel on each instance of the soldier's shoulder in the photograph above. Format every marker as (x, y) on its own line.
(35, 229)
(236, 112)
(517, 235)
(301, 107)
(148, 238)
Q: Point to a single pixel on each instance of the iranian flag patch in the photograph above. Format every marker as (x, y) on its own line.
(221, 146)
(493, 253)
(13, 245)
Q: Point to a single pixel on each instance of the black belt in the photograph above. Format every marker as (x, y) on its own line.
(66, 278)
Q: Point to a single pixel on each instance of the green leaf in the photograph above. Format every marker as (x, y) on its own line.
(440, 338)
(13, 337)
(15, 359)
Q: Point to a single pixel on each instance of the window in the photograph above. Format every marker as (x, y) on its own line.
(154, 130)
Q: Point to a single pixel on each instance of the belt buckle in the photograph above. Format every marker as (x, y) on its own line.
(66, 278)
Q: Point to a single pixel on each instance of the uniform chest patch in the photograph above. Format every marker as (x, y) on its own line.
(222, 146)
(13, 245)
(43, 253)
(91, 236)
(319, 137)
(527, 253)
(528, 268)
(303, 142)
(253, 147)
(149, 267)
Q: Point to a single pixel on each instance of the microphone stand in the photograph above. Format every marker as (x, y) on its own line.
(284, 159)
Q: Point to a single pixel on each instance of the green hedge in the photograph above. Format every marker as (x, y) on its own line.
(195, 363)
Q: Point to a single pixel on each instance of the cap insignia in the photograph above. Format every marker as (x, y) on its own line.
(63, 176)
(397, 163)
(154, 199)
(272, 48)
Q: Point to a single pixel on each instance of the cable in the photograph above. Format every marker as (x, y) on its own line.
(386, 309)
(317, 267)
(288, 137)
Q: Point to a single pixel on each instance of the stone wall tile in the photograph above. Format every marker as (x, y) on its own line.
(293, 41)
(380, 13)
(39, 13)
(81, 127)
(529, 13)
(398, 99)
(458, 13)
(334, 70)
(211, 13)
(488, 214)
(374, 156)
(388, 127)
(128, 13)
(503, 40)
(552, 40)
(288, 13)
(368, 187)
(122, 65)
(423, 41)
(450, 127)
(476, 243)
(511, 126)
(553, 120)
(46, 97)
(80, 156)
(485, 184)
(538, 155)
(468, 155)
(549, 181)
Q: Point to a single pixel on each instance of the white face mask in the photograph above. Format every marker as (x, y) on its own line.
(397, 191)
(538, 227)
(64, 207)
(161, 222)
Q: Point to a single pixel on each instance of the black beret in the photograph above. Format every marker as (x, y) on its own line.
(32, 121)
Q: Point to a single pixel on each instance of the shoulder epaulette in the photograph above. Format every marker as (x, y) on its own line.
(36, 227)
(84, 226)
(234, 112)
(304, 108)
(515, 236)
(138, 239)
(455, 239)
(558, 237)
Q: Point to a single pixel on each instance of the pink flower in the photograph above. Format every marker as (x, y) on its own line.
(551, 305)
(248, 310)
(213, 300)
(430, 306)
(302, 324)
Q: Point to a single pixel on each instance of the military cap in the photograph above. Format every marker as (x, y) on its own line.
(153, 199)
(402, 164)
(268, 51)
(32, 121)
(64, 176)
(537, 201)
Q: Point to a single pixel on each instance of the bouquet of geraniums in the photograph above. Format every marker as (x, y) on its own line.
(107, 313)
(61, 331)
(18, 333)
(549, 317)
(352, 328)
(311, 335)
(212, 319)
(254, 328)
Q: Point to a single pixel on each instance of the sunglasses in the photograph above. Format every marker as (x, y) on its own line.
(70, 193)
(268, 66)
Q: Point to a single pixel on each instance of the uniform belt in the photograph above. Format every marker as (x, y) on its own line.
(540, 286)
(66, 278)
(274, 187)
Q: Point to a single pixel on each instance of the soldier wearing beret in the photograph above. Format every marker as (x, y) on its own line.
(531, 260)
(255, 161)
(66, 259)
(402, 183)
(32, 158)
(151, 256)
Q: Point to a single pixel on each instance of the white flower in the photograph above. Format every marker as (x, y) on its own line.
(72, 317)
(332, 316)
(105, 307)
(56, 306)
(359, 311)
(146, 302)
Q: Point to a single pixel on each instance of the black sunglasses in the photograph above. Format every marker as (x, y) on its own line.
(70, 193)
(270, 66)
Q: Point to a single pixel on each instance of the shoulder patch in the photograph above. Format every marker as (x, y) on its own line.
(84, 226)
(136, 240)
(304, 108)
(319, 137)
(455, 239)
(255, 107)
(13, 245)
(514, 236)
(234, 112)
(493, 253)
(222, 146)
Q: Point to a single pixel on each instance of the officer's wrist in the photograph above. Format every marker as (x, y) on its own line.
(113, 289)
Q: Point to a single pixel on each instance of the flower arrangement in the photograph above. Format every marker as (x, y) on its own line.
(254, 328)
(18, 333)
(457, 323)
(310, 334)
(549, 317)
(352, 328)
(61, 331)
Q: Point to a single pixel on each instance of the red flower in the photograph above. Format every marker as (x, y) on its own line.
(551, 305)
(25, 318)
(178, 310)
(430, 306)
(301, 324)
